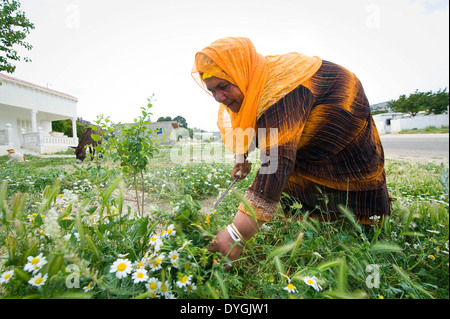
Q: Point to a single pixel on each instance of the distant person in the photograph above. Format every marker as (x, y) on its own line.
(14, 156)
(328, 151)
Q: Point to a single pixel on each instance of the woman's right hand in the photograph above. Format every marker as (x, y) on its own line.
(243, 166)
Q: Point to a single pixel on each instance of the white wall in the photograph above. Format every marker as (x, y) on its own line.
(419, 122)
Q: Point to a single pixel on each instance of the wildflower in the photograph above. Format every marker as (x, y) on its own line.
(432, 257)
(157, 263)
(38, 280)
(140, 275)
(290, 288)
(163, 288)
(174, 258)
(152, 286)
(190, 287)
(184, 281)
(154, 240)
(175, 210)
(140, 264)
(88, 287)
(317, 254)
(285, 276)
(432, 231)
(171, 230)
(312, 281)
(6, 276)
(187, 242)
(375, 218)
(122, 267)
(35, 263)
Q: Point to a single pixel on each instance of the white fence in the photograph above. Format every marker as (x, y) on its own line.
(36, 142)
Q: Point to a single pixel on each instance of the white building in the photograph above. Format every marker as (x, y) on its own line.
(26, 114)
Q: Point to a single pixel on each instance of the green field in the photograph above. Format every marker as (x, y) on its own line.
(69, 231)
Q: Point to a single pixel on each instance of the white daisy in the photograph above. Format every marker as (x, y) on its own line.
(156, 265)
(290, 288)
(174, 258)
(171, 230)
(38, 280)
(152, 285)
(190, 287)
(184, 281)
(187, 242)
(317, 254)
(87, 288)
(122, 268)
(35, 263)
(163, 288)
(6, 276)
(312, 281)
(140, 275)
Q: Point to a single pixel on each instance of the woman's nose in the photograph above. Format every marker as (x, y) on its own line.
(220, 97)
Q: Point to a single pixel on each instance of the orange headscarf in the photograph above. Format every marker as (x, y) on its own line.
(263, 80)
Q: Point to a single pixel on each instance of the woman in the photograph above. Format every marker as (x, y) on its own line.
(327, 150)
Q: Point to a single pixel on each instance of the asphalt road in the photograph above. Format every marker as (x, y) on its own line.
(421, 147)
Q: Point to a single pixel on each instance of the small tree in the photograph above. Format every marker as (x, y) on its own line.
(14, 27)
(134, 147)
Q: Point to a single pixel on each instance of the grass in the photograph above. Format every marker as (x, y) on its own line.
(427, 130)
(78, 218)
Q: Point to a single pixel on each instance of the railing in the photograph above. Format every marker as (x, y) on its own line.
(47, 144)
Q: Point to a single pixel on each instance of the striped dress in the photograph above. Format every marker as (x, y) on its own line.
(335, 156)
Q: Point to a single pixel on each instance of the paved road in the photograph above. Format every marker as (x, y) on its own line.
(421, 147)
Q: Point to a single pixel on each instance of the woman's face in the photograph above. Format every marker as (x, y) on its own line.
(226, 93)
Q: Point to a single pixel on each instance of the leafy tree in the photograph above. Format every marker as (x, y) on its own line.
(181, 121)
(164, 119)
(65, 126)
(14, 27)
(438, 102)
(430, 102)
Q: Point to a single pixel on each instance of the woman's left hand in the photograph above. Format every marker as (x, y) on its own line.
(225, 245)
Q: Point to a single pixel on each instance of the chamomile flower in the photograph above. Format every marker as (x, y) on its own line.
(155, 240)
(285, 276)
(163, 288)
(190, 288)
(317, 254)
(6, 276)
(38, 280)
(140, 275)
(35, 263)
(156, 265)
(88, 287)
(290, 288)
(187, 242)
(171, 230)
(184, 281)
(174, 258)
(152, 285)
(312, 281)
(122, 268)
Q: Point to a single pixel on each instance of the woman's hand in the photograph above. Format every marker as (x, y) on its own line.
(225, 245)
(242, 165)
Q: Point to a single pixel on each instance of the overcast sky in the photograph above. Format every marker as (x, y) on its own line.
(112, 55)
